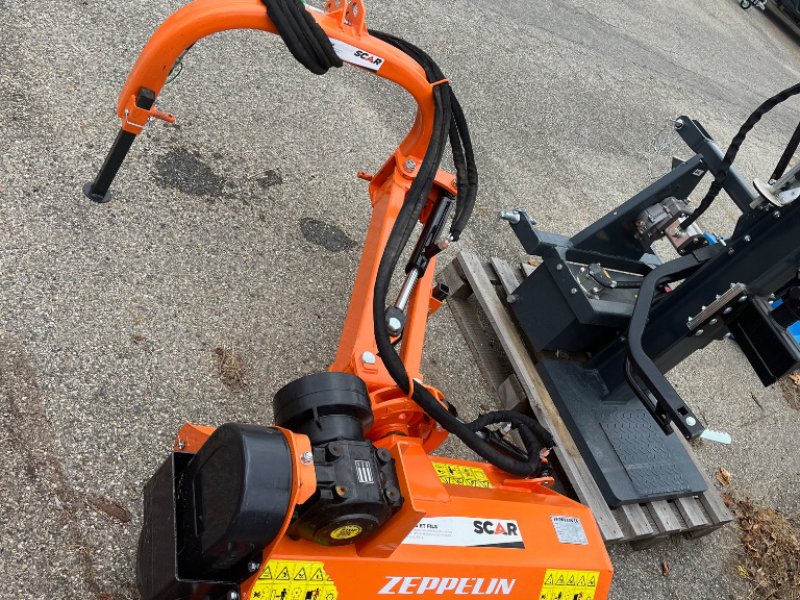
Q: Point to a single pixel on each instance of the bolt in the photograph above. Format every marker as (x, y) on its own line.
(700, 332)
(777, 214)
(368, 358)
(595, 290)
(306, 458)
(233, 595)
(395, 325)
(731, 252)
(573, 291)
(559, 267)
(181, 444)
(727, 311)
(747, 238)
(743, 298)
(691, 421)
(679, 124)
(341, 491)
(410, 165)
(583, 269)
(512, 216)
(713, 321)
(253, 565)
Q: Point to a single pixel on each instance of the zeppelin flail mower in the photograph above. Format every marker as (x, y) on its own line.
(342, 498)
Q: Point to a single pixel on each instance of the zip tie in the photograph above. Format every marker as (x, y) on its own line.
(440, 82)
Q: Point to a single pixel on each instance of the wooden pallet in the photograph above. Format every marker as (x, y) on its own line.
(478, 301)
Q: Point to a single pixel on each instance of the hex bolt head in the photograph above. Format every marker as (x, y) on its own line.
(233, 595)
(700, 332)
(253, 566)
(573, 291)
(727, 311)
(747, 238)
(713, 321)
(394, 325)
(368, 358)
(307, 458)
(410, 165)
(691, 421)
(559, 267)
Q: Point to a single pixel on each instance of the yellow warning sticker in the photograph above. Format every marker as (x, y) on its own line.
(569, 585)
(294, 580)
(462, 475)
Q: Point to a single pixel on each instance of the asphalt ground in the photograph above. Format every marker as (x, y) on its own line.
(240, 227)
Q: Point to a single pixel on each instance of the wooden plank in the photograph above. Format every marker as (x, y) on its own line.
(715, 507)
(527, 269)
(494, 371)
(543, 408)
(459, 289)
(511, 395)
(692, 513)
(663, 514)
(508, 278)
(710, 500)
(634, 522)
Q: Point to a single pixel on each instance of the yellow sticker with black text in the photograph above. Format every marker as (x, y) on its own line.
(560, 584)
(462, 475)
(294, 580)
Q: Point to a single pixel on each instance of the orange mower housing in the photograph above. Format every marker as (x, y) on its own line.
(232, 513)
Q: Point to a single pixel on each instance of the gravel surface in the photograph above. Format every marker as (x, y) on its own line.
(241, 227)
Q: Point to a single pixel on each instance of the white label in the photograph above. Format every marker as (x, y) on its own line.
(460, 586)
(364, 471)
(466, 532)
(569, 530)
(357, 56)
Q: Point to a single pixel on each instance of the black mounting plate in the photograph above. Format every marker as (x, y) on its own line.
(629, 455)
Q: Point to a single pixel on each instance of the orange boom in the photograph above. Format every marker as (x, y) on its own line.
(342, 498)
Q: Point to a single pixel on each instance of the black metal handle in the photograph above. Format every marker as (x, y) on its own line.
(655, 391)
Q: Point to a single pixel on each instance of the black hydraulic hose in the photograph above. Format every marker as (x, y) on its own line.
(787, 155)
(311, 47)
(303, 36)
(466, 201)
(733, 150)
(529, 429)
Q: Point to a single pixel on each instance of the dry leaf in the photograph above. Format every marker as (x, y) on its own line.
(724, 476)
(795, 377)
(742, 571)
(665, 567)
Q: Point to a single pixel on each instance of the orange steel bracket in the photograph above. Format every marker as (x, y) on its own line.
(344, 22)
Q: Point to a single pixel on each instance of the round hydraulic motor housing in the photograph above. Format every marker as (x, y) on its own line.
(325, 407)
(357, 487)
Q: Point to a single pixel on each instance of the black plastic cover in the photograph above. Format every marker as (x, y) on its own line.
(325, 407)
(233, 497)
